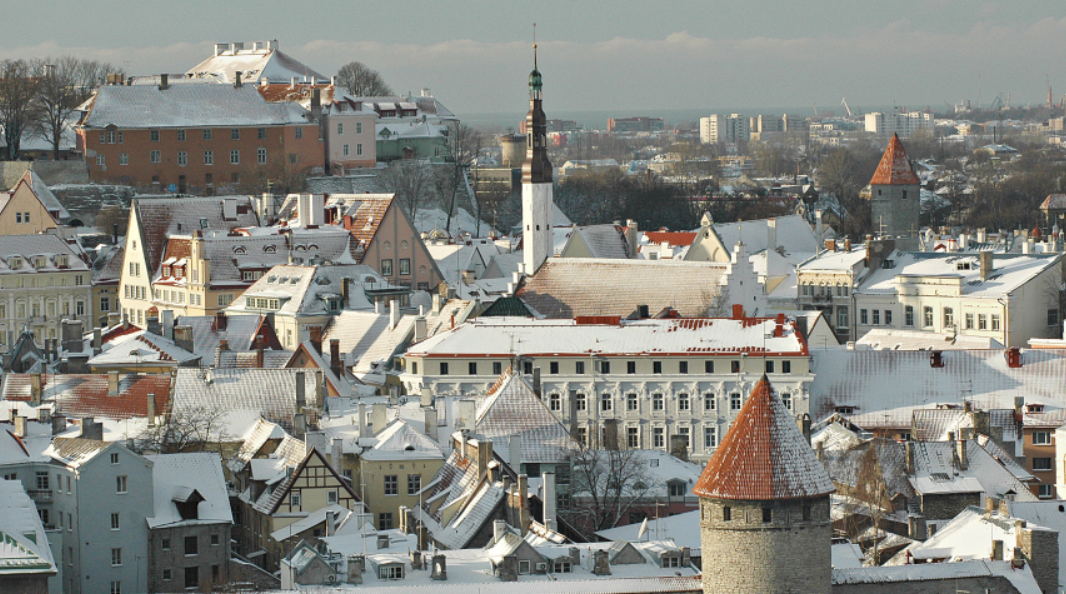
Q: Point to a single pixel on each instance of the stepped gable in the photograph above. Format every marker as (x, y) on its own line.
(763, 456)
(895, 169)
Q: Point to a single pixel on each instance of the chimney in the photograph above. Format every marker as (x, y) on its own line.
(909, 454)
(499, 530)
(336, 454)
(771, 235)
(437, 304)
(633, 238)
(394, 314)
(982, 235)
(779, 326)
(183, 337)
(484, 456)
(440, 568)
(429, 415)
(150, 401)
(986, 264)
(523, 499)
(301, 392)
(345, 292)
(421, 328)
(168, 324)
(112, 383)
(379, 416)
(335, 363)
(237, 79)
(73, 332)
(362, 420)
(258, 353)
(536, 383)
(316, 102)
(90, 429)
(98, 339)
(427, 396)
(220, 321)
(59, 423)
(35, 389)
(548, 500)
(20, 426)
(164, 81)
(847, 244)
(917, 529)
(314, 334)
(223, 345)
(299, 425)
(738, 311)
(830, 245)
(960, 451)
(1014, 357)
(818, 224)
(936, 359)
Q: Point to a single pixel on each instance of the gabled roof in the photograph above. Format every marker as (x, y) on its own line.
(400, 441)
(78, 395)
(23, 543)
(763, 456)
(47, 198)
(176, 476)
(187, 106)
(1054, 202)
(511, 410)
(254, 64)
(239, 333)
(75, 451)
(243, 395)
(895, 169)
(269, 505)
(160, 217)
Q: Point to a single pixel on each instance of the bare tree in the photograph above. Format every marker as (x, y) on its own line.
(63, 84)
(411, 180)
(464, 146)
(606, 485)
(280, 175)
(361, 81)
(18, 91)
(196, 430)
(110, 215)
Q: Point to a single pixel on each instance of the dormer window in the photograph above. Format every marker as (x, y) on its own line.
(166, 270)
(239, 250)
(15, 263)
(251, 275)
(63, 261)
(179, 271)
(270, 249)
(39, 262)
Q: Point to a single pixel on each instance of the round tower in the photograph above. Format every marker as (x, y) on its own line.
(764, 506)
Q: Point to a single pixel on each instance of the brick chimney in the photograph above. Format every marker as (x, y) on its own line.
(220, 321)
(315, 336)
(335, 363)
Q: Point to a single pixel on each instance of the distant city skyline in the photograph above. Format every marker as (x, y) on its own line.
(626, 57)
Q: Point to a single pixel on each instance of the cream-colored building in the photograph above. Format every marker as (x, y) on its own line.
(43, 281)
(29, 207)
(392, 472)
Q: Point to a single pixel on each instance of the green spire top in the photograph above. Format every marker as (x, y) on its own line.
(535, 82)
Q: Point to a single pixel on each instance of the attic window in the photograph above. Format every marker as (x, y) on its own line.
(270, 249)
(845, 410)
(888, 264)
(203, 223)
(940, 476)
(15, 263)
(239, 250)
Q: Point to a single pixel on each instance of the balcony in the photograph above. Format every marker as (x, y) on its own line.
(40, 495)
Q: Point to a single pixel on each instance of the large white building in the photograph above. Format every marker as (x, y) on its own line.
(721, 128)
(652, 379)
(902, 124)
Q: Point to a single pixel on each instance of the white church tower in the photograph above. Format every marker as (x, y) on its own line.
(537, 203)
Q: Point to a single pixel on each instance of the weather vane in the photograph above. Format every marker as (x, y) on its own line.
(534, 45)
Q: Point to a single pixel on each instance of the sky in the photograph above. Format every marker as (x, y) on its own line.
(628, 57)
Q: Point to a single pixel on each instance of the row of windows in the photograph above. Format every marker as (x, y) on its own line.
(604, 367)
(405, 266)
(116, 136)
(824, 290)
(358, 128)
(155, 156)
(392, 484)
(981, 321)
(683, 401)
(659, 436)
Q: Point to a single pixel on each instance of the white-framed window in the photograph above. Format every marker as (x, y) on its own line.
(579, 401)
(1046, 491)
(155, 156)
(555, 402)
(995, 321)
(261, 156)
(235, 157)
(683, 401)
(927, 317)
(121, 484)
(298, 132)
(658, 402)
(100, 160)
(359, 148)
(908, 315)
(181, 135)
(877, 317)
(209, 156)
(116, 586)
(786, 399)
(949, 317)
(207, 134)
(392, 484)
(735, 401)
(1041, 438)
(632, 437)
(864, 317)
(710, 401)
(340, 127)
(115, 521)
(982, 321)
(606, 402)
(294, 499)
(710, 437)
(116, 557)
(658, 437)
(631, 401)
(359, 127)
(344, 150)
(1042, 464)
(235, 134)
(123, 159)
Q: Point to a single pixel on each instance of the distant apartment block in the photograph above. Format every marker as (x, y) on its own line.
(902, 124)
(772, 123)
(720, 128)
(634, 125)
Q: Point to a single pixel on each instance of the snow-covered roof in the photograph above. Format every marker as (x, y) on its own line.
(835, 261)
(174, 476)
(511, 410)
(400, 441)
(24, 547)
(243, 395)
(367, 338)
(492, 336)
(262, 60)
(1009, 272)
(916, 340)
(792, 233)
(304, 289)
(49, 247)
(763, 455)
(1022, 579)
(187, 106)
(77, 395)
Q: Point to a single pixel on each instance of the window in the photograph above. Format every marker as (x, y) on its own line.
(191, 545)
(676, 489)
(261, 133)
(123, 159)
(405, 266)
(631, 367)
(606, 402)
(294, 499)
(114, 458)
(562, 566)
(359, 149)
(359, 127)
(710, 401)
(215, 539)
(683, 401)
(908, 316)
(877, 317)
(927, 317)
(414, 484)
(471, 368)
(154, 135)
(727, 513)
(116, 587)
(982, 322)
(207, 134)
(1052, 317)
(1041, 437)
(682, 367)
(657, 367)
(734, 366)
(261, 156)
(225, 299)
(555, 402)
(155, 156)
(1041, 464)
(968, 321)
(658, 437)
(949, 317)
(181, 135)
(786, 399)
(114, 521)
(235, 134)
(658, 402)
(767, 515)
(769, 367)
(116, 557)
(605, 367)
(734, 401)
(888, 317)
(497, 368)
(167, 575)
(390, 572)
(632, 437)
(708, 366)
(192, 577)
(183, 158)
(579, 367)
(331, 497)
(165, 544)
(864, 317)
(579, 401)
(344, 150)
(100, 160)
(443, 368)
(209, 157)
(292, 158)
(385, 521)
(340, 127)
(995, 321)
(386, 267)
(392, 484)
(235, 157)
(1046, 491)
(120, 484)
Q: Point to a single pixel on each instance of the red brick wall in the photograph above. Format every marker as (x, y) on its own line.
(137, 144)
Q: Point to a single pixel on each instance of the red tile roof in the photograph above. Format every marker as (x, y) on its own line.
(78, 395)
(894, 168)
(763, 456)
(677, 238)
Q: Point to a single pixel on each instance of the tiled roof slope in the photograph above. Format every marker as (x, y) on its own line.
(894, 169)
(1054, 202)
(763, 456)
(570, 287)
(671, 237)
(184, 106)
(79, 395)
(243, 395)
(511, 410)
(161, 217)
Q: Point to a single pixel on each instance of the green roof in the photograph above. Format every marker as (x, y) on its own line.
(508, 306)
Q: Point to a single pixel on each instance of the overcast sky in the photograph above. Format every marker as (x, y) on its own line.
(629, 57)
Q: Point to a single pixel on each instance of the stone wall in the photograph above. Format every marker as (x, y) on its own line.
(52, 172)
(175, 559)
(83, 201)
(1041, 548)
(949, 505)
(745, 554)
(997, 584)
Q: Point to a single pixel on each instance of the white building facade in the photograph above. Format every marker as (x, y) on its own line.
(721, 128)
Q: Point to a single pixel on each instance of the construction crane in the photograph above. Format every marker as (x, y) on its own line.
(844, 102)
(1048, 77)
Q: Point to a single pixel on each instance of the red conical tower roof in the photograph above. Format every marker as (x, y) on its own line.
(764, 456)
(894, 168)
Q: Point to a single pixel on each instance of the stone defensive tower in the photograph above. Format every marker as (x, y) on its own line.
(764, 506)
(895, 197)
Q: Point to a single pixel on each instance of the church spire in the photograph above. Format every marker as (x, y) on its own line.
(536, 168)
